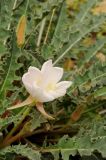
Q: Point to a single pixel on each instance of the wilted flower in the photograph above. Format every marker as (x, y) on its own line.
(43, 85)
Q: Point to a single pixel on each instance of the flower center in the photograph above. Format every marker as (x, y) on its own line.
(50, 87)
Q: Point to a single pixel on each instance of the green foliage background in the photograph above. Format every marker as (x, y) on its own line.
(77, 34)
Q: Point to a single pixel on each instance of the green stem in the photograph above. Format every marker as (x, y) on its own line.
(18, 124)
(49, 26)
(11, 140)
(91, 109)
(41, 31)
(26, 6)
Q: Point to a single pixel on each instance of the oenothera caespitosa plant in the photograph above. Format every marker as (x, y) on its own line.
(43, 86)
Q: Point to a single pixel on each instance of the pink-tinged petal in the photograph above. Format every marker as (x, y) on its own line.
(58, 93)
(63, 84)
(61, 89)
(33, 74)
(34, 70)
(46, 66)
(40, 108)
(26, 78)
(52, 76)
(40, 95)
(28, 101)
(37, 92)
(57, 74)
(29, 87)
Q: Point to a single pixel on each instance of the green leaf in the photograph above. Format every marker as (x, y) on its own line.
(100, 92)
(86, 142)
(22, 150)
(10, 71)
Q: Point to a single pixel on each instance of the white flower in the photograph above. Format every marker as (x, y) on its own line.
(43, 85)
